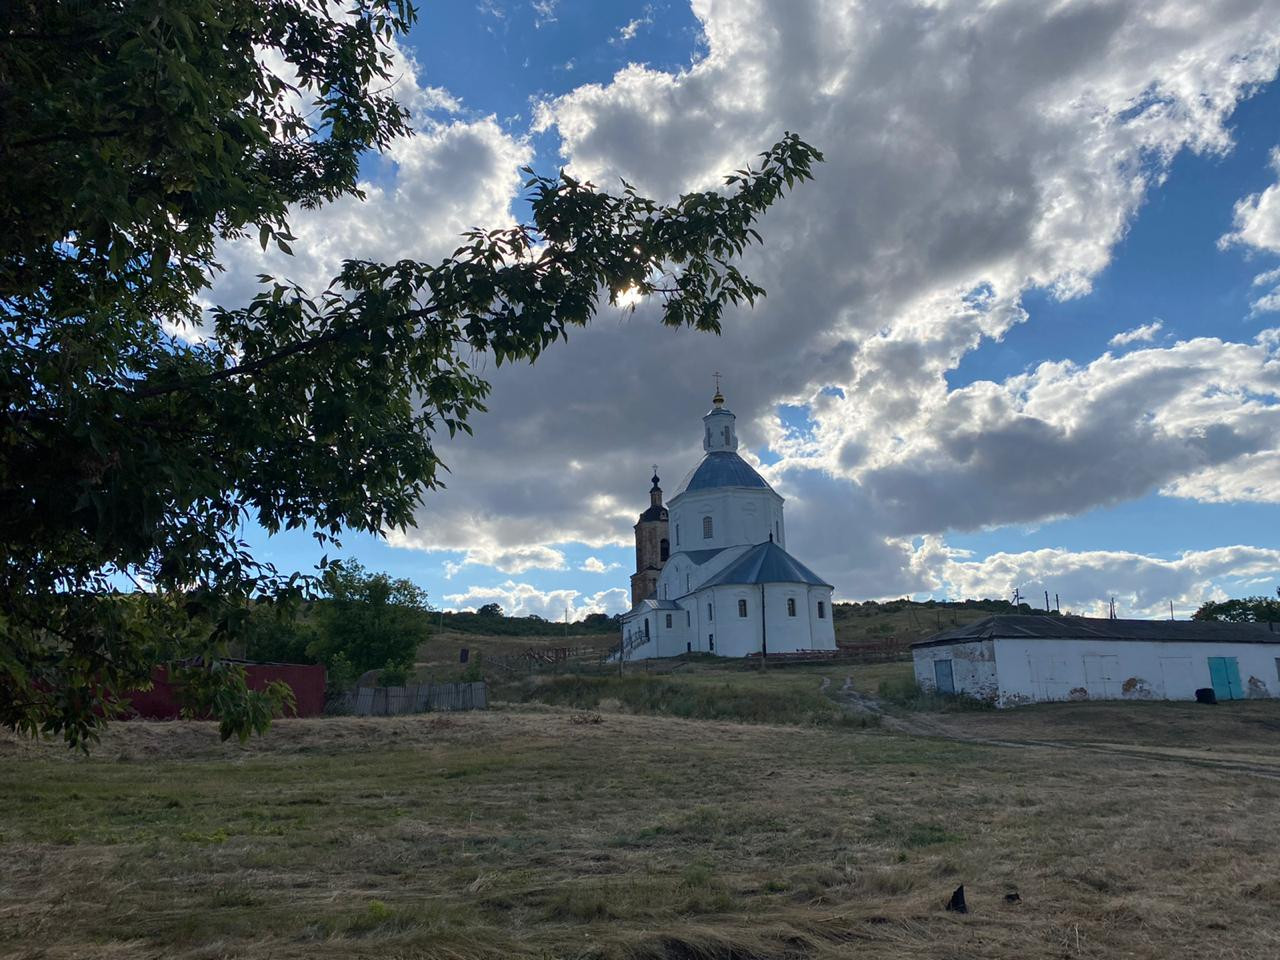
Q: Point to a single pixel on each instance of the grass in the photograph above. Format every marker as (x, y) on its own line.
(724, 694)
(518, 833)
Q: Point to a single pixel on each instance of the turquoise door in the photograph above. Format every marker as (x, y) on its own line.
(1224, 674)
(942, 675)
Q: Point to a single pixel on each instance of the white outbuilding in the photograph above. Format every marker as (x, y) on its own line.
(1012, 660)
(712, 571)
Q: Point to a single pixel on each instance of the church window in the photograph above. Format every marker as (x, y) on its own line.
(791, 606)
(687, 588)
(706, 528)
(708, 436)
(822, 610)
(677, 534)
(688, 646)
(646, 628)
(726, 436)
(668, 621)
(664, 549)
(777, 531)
(742, 608)
(665, 593)
(711, 612)
(711, 641)
(688, 619)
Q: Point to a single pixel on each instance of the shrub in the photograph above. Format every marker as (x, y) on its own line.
(906, 693)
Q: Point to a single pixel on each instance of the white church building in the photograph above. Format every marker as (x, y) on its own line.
(712, 571)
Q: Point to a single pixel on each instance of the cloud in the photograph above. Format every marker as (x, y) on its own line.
(596, 565)
(544, 12)
(974, 152)
(629, 30)
(1086, 580)
(1147, 331)
(1257, 217)
(523, 600)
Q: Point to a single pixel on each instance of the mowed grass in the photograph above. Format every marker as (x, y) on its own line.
(520, 833)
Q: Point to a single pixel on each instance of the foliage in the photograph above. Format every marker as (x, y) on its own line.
(490, 610)
(205, 692)
(136, 136)
(1241, 610)
(503, 626)
(395, 675)
(370, 619)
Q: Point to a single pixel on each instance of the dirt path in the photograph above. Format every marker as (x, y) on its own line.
(935, 725)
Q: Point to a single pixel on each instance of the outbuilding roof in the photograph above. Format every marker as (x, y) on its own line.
(1032, 627)
(765, 563)
(720, 468)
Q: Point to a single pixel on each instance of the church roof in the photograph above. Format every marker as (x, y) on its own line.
(721, 468)
(765, 563)
(654, 513)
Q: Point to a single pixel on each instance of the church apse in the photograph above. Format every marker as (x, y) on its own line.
(653, 545)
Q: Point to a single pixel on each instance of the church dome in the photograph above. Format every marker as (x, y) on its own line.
(721, 468)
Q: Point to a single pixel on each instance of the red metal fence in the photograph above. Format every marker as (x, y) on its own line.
(307, 681)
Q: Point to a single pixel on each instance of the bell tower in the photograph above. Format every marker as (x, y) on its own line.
(652, 545)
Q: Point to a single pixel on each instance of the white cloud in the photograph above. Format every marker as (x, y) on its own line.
(523, 600)
(629, 30)
(596, 565)
(974, 151)
(1085, 581)
(1257, 217)
(1145, 332)
(544, 12)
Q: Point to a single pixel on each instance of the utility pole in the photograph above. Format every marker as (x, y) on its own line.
(1170, 609)
(764, 646)
(1046, 601)
(1057, 603)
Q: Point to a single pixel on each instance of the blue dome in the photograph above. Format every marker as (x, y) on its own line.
(721, 468)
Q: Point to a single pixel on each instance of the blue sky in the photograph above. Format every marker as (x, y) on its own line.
(996, 167)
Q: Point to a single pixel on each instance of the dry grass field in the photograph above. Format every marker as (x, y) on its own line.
(1134, 830)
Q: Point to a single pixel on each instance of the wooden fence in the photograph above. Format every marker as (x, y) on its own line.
(417, 698)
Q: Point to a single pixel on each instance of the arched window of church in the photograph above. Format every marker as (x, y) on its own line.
(791, 606)
(708, 436)
(646, 628)
(668, 621)
(742, 608)
(677, 534)
(726, 436)
(706, 528)
(822, 610)
(777, 531)
(711, 612)
(664, 549)
(665, 594)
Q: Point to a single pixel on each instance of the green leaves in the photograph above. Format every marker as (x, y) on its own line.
(137, 135)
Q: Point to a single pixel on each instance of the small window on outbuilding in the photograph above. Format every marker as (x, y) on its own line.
(791, 606)
(706, 528)
(742, 608)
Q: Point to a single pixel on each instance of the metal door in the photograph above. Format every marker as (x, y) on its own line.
(942, 675)
(1224, 675)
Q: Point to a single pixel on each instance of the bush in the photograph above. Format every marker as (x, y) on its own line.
(395, 675)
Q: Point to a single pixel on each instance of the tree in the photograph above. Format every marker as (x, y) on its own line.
(138, 134)
(1241, 610)
(369, 619)
(490, 610)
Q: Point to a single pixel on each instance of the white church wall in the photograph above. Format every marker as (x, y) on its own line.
(738, 515)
